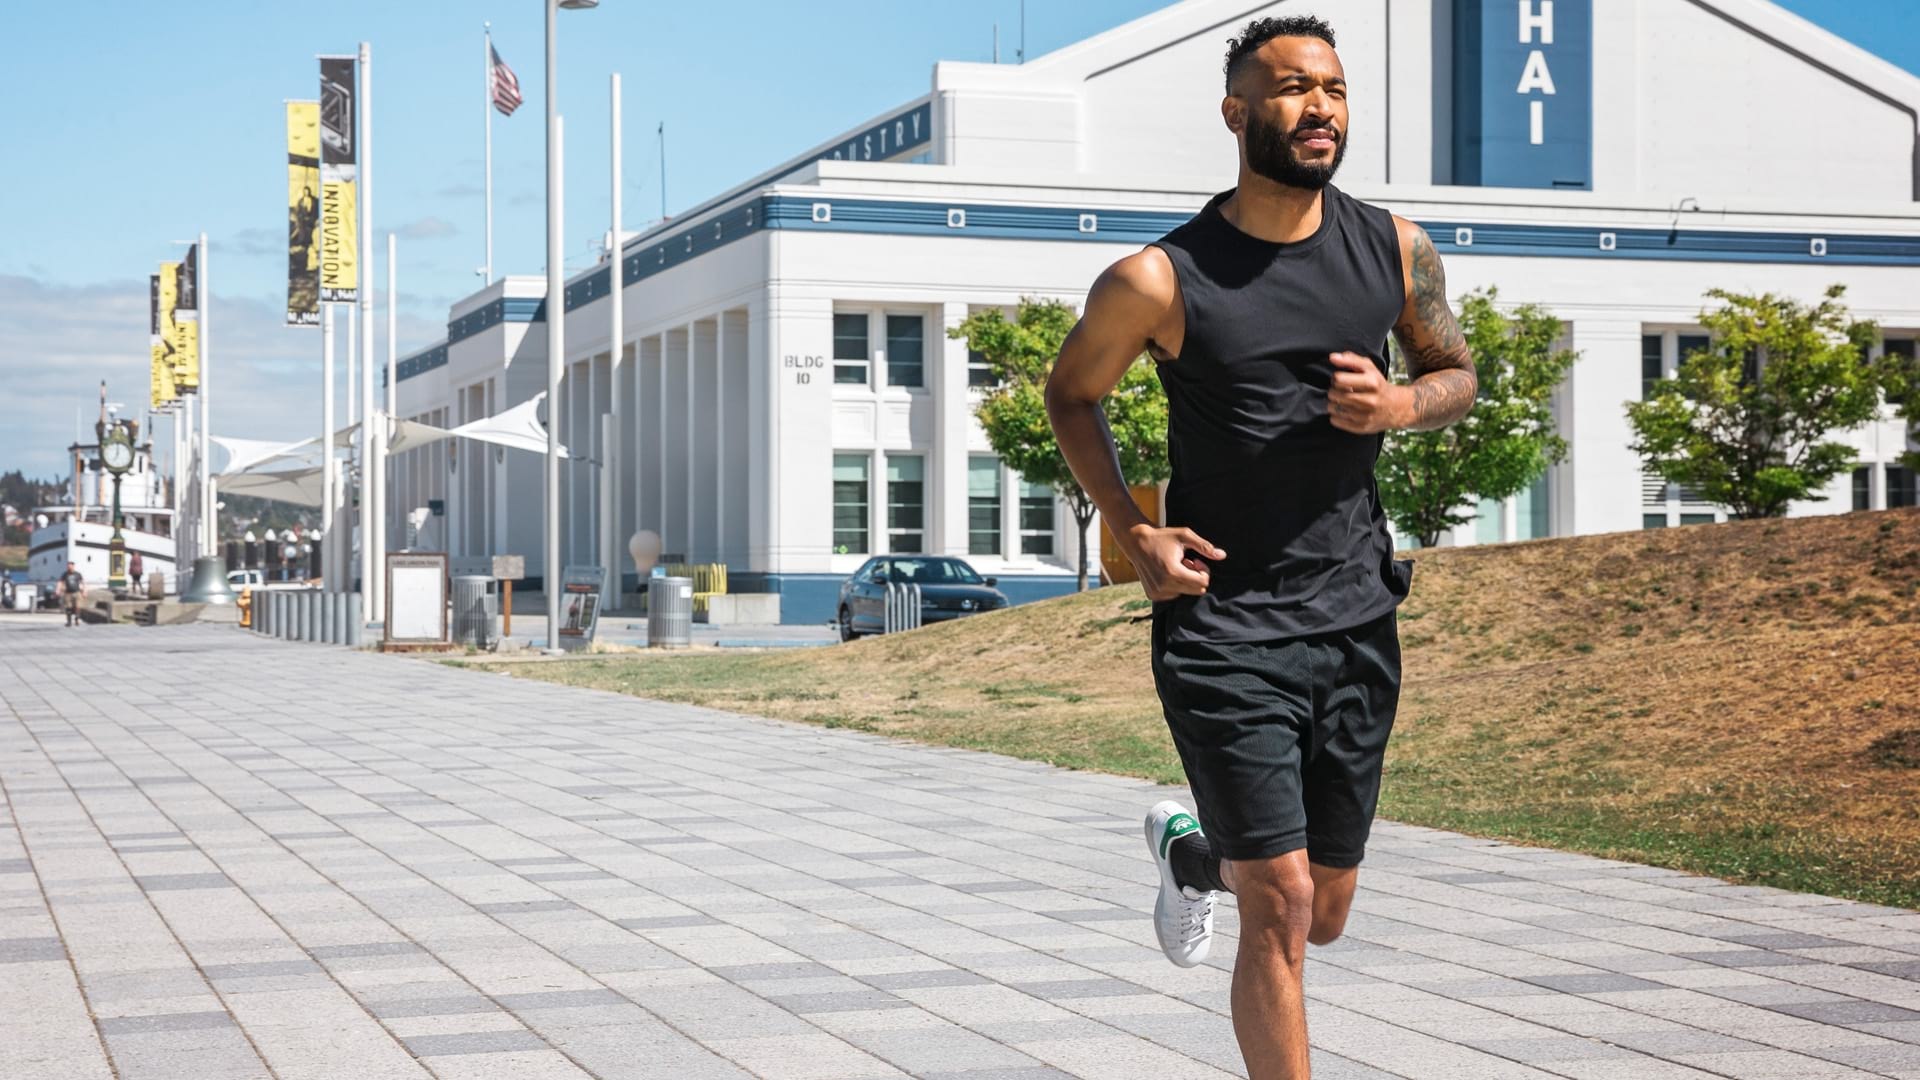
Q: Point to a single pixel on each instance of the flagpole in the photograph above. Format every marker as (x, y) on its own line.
(486, 108)
(369, 483)
(610, 471)
(327, 464)
(393, 406)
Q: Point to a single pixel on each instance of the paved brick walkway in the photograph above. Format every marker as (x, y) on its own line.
(227, 857)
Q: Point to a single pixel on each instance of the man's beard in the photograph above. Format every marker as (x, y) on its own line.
(1270, 153)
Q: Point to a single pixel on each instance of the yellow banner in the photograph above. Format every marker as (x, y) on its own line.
(339, 240)
(161, 378)
(169, 335)
(164, 391)
(186, 324)
(303, 213)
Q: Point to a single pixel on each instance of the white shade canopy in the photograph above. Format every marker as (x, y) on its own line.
(291, 472)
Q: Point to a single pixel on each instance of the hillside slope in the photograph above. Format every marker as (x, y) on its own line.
(1738, 699)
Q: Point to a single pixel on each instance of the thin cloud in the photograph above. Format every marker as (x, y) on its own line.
(427, 228)
(258, 242)
(58, 341)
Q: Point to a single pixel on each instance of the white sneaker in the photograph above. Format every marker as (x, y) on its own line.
(1182, 917)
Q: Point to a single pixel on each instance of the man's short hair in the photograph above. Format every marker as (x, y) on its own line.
(1260, 31)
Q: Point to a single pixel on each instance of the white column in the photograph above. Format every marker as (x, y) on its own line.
(762, 371)
(947, 469)
(876, 502)
(690, 431)
(1601, 477)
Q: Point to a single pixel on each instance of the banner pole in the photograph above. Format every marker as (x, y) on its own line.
(369, 483)
(327, 464)
(383, 469)
(210, 498)
(610, 472)
(486, 111)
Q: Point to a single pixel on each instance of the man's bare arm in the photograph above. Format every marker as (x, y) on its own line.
(1128, 305)
(1122, 309)
(1438, 360)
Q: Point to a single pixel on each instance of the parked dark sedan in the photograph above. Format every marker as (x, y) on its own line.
(949, 589)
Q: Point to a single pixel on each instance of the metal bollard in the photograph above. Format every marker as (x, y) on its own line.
(263, 614)
(297, 623)
(330, 630)
(354, 622)
(313, 616)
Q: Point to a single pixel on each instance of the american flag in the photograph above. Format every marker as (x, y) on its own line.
(506, 88)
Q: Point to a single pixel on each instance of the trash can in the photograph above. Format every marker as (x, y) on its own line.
(670, 612)
(472, 612)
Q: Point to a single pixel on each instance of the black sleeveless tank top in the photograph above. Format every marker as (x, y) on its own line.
(1258, 469)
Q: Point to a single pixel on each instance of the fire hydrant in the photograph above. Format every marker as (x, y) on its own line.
(246, 608)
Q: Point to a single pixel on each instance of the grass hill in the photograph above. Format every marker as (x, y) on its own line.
(1741, 700)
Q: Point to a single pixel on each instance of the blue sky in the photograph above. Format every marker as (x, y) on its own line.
(135, 124)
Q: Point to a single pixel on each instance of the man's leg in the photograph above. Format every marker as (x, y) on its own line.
(1286, 903)
(1269, 1010)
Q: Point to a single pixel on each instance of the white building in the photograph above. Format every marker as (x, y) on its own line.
(789, 400)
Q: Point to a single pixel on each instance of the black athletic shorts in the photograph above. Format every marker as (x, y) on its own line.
(1282, 740)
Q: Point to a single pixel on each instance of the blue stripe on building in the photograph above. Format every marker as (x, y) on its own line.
(1074, 225)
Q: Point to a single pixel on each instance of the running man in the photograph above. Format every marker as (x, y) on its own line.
(1275, 650)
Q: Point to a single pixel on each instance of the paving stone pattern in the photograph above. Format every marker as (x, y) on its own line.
(228, 857)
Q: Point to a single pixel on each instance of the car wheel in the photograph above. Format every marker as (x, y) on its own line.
(846, 625)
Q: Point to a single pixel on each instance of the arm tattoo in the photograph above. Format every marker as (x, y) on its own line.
(1438, 360)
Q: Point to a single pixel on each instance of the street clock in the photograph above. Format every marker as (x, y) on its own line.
(117, 452)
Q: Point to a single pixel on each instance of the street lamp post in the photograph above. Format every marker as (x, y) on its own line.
(556, 325)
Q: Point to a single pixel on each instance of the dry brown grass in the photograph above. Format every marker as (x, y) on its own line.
(1740, 699)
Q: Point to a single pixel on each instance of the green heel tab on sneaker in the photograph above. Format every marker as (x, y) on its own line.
(1178, 826)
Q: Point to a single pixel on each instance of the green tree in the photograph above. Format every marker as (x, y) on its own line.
(1903, 382)
(1013, 411)
(1745, 421)
(1430, 481)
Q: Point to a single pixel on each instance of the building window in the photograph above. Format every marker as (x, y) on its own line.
(980, 373)
(906, 503)
(906, 351)
(1653, 521)
(1697, 519)
(1900, 487)
(1036, 518)
(850, 504)
(1652, 364)
(1863, 488)
(983, 506)
(1901, 347)
(1686, 345)
(850, 349)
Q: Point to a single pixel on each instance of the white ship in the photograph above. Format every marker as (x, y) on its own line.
(81, 531)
